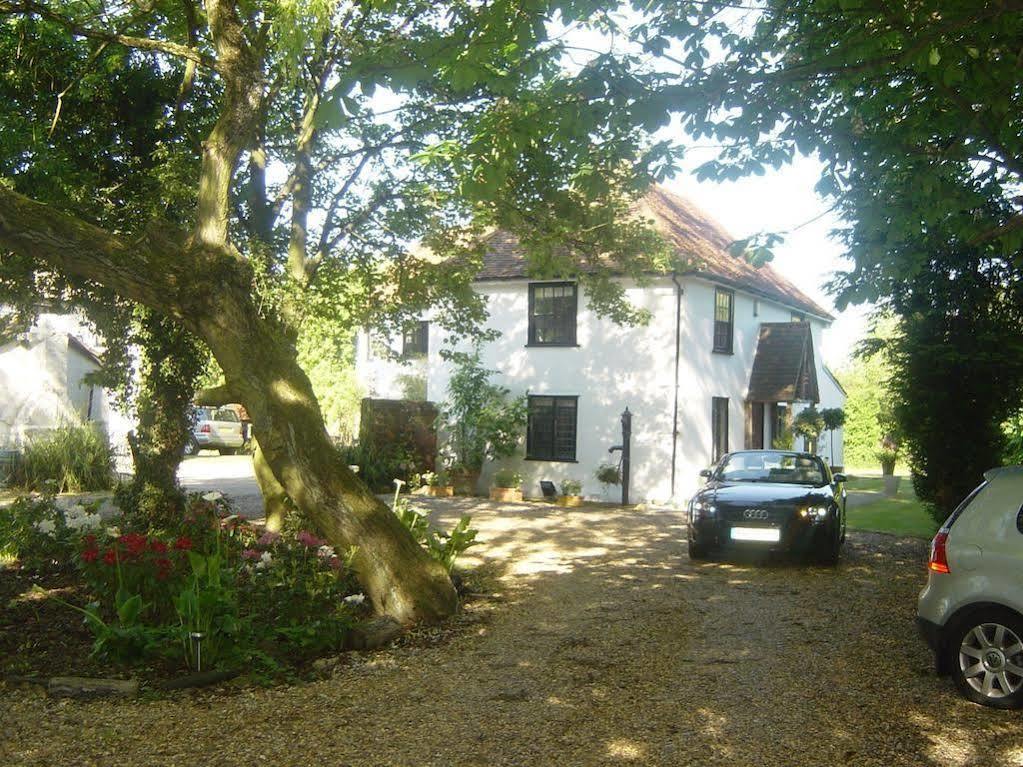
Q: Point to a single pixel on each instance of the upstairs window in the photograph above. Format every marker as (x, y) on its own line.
(724, 316)
(552, 314)
(551, 429)
(416, 342)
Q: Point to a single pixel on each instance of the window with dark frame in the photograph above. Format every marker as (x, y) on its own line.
(719, 427)
(552, 313)
(551, 428)
(724, 317)
(416, 342)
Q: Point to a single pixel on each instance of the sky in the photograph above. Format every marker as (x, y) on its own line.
(782, 200)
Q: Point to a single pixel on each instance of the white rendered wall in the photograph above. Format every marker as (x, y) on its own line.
(614, 367)
(383, 374)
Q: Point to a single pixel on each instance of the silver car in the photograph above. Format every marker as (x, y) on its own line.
(971, 610)
(216, 429)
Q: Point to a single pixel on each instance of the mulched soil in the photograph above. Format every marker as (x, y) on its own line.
(595, 641)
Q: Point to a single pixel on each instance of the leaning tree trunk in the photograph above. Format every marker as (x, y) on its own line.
(208, 292)
(260, 366)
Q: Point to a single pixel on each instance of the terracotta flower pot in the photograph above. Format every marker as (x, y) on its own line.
(570, 500)
(505, 494)
(440, 491)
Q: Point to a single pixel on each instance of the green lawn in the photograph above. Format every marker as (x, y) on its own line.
(901, 515)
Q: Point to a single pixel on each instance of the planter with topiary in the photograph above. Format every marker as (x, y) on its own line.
(888, 457)
(571, 493)
(507, 486)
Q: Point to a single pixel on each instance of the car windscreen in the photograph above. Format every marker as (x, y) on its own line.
(226, 414)
(769, 466)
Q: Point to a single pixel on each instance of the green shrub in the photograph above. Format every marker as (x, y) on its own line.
(439, 478)
(507, 478)
(444, 547)
(378, 467)
(69, 459)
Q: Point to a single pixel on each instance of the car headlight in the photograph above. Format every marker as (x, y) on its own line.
(814, 513)
(699, 509)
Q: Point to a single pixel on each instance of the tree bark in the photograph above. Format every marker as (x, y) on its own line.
(275, 497)
(260, 365)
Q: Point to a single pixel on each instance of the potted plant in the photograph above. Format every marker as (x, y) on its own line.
(507, 486)
(608, 474)
(571, 493)
(888, 455)
(438, 484)
(479, 422)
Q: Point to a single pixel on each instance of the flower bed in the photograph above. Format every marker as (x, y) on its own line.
(215, 592)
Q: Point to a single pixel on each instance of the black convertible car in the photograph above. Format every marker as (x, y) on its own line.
(772, 500)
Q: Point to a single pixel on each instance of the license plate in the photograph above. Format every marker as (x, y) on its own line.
(766, 534)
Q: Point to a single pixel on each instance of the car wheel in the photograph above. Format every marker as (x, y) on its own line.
(192, 447)
(698, 550)
(985, 656)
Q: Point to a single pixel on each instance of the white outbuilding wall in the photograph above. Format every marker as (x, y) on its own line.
(42, 384)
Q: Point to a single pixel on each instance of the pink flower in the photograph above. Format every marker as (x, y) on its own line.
(251, 555)
(309, 540)
(269, 538)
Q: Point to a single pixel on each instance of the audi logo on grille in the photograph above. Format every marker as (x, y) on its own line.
(755, 514)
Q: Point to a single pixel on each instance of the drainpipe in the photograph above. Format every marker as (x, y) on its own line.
(678, 352)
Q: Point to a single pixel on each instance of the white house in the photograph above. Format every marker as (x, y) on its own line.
(43, 376)
(729, 352)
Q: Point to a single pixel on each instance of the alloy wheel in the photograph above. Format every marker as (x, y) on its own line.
(991, 660)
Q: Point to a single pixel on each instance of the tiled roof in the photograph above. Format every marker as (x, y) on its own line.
(783, 366)
(698, 240)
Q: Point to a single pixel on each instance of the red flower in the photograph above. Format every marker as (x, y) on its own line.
(90, 541)
(110, 557)
(163, 566)
(184, 543)
(134, 543)
(335, 563)
(90, 555)
(157, 546)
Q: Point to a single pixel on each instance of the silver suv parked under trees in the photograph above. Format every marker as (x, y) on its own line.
(216, 429)
(971, 611)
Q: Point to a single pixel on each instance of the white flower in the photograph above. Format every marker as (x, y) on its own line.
(114, 532)
(212, 496)
(46, 526)
(399, 483)
(85, 522)
(264, 560)
(74, 512)
(354, 599)
(325, 551)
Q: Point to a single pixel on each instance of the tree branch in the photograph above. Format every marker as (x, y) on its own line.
(186, 52)
(152, 270)
(215, 396)
(241, 71)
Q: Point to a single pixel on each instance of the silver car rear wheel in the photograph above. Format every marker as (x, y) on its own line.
(991, 662)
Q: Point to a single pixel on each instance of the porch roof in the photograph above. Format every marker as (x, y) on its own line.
(783, 366)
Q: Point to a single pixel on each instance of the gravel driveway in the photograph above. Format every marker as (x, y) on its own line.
(600, 644)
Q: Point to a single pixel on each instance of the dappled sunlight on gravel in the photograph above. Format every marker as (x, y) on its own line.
(598, 643)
